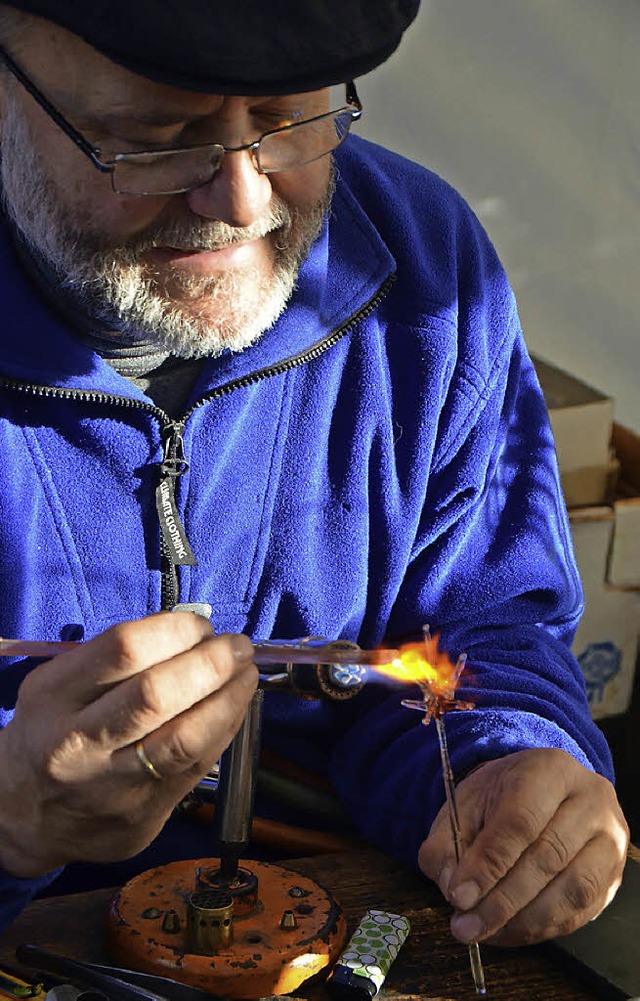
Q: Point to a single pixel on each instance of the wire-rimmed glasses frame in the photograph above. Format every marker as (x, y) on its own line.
(274, 151)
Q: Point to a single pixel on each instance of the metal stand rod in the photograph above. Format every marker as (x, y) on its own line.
(236, 789)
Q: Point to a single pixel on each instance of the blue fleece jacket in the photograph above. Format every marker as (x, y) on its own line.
(380, 459)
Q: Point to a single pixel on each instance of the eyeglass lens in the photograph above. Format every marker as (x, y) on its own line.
(174, 171)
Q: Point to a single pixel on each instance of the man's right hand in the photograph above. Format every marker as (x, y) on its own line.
(72, 787)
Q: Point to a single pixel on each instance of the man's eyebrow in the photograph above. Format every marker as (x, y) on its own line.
(137, 116)
(162, 116)
(130, 117)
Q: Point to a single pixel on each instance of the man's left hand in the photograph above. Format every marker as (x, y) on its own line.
(545, 844)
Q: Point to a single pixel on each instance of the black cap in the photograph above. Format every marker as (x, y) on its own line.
(247, 47)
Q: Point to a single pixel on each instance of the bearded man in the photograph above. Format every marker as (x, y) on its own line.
(257, 366)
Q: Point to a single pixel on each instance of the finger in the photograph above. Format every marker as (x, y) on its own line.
(188, 745)
(85, 673)
(575, 896)
(149, 699)
(517, 810)
(558, 844)
(437, 856)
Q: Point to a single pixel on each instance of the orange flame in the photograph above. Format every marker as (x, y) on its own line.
(422, 663)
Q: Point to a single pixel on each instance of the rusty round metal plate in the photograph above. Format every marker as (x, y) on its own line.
(147, 931)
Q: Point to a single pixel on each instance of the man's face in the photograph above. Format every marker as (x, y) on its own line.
(195, 272)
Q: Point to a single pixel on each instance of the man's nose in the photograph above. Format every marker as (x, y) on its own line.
(237, 194)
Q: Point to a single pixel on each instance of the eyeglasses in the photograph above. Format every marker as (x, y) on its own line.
(175, 171)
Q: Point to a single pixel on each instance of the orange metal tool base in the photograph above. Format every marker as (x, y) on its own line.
(263, 958)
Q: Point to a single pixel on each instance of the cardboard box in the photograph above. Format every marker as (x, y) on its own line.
(623, 568)
(606, 642)
(581, 421)
(607, 546)
(592, 485)
(600, 472)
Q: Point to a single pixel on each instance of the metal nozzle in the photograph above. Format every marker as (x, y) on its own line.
(209, 921)
(301, 672)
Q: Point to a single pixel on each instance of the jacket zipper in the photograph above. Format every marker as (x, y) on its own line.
(174, 546)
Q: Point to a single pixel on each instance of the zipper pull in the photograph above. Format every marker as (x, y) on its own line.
(174, 464)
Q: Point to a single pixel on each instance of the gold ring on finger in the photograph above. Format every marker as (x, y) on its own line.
(146, 764)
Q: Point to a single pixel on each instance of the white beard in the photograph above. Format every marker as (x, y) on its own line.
(109, 284)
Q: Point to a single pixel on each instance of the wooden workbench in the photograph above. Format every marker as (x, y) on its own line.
(431, 966)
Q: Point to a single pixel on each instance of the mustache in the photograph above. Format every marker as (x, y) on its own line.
(198, 234)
